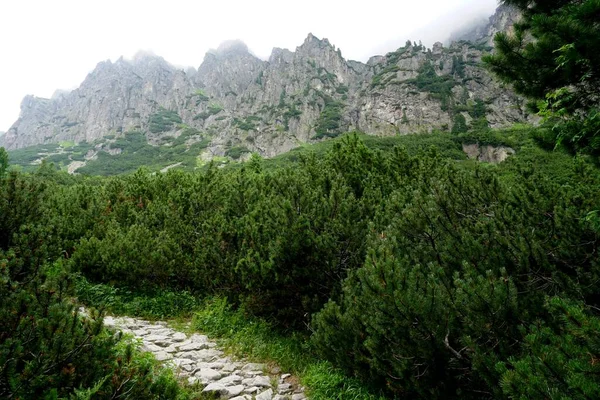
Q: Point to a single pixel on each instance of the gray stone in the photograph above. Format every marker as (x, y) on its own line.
(228, 367)
(251, 390)
(261, 381)
(192, 380)
(196, 338)
(187, 367)
(231, 380)
(193, 360)
(253, 367)
(192, 347)
(151, 347)
(208, 355)
(182, 361)
(208, 375)
(247, 381)
(157, 339)
(216, 388)
(115, 96)
(284, 388)
(234, 390)
(171, 349)
(163, 356)
(266, 395)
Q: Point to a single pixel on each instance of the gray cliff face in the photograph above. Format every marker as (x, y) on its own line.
(502, 21)
(235, 100)
(114, 98)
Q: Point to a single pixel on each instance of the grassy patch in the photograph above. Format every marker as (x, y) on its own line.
(138, 153)
(255, 338)
(151, 305)
(66, 143)
(243, 335)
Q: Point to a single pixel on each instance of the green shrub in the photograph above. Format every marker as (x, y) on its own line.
(48, 349)
(453, 273)
(236, 152)
(329, 123)
(163, 120)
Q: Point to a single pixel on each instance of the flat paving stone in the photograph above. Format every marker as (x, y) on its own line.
(198, 359)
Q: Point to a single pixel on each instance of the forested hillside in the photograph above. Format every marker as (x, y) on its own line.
(371, 267)
(417, 272)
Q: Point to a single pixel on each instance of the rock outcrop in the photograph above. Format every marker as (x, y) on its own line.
(235, 100)
(502, 21)
(488, 153)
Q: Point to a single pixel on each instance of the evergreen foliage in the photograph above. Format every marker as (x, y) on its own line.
(443, 300)
(48, 350)
(554, 59)
(329, 123)
(416, 271)
(460, 124)
(163, 120)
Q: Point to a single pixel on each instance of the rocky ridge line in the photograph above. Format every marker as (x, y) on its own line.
(199, 360)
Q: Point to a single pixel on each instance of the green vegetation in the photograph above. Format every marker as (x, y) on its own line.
(136, 153)
(249, 123)
(329, 123)
(48, 350)
(559, 70)
(236, 152)
(152, 305)
(212, 109)
(163, 120)
(25, 156)
(478, 278)
(201, 96)
(255, 338)
(439, 87)
(459, 124)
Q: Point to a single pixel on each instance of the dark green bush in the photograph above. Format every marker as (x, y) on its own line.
(163, 120)
(450, 287)
(48, 350)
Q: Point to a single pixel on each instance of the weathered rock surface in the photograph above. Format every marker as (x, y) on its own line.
(488, 153)
(502, 21)
(199, 360)
(235, 100)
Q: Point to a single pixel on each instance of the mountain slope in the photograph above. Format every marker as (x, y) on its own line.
(237, 102)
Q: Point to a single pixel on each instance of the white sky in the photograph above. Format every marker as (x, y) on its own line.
(53, 44)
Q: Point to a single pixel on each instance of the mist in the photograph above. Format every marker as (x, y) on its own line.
(53, 45)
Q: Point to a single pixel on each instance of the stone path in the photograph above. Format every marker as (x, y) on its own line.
(198, 359)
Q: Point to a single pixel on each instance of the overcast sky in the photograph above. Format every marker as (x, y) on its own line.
(53, 44)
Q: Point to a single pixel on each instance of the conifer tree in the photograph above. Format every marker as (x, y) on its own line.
(553, 58)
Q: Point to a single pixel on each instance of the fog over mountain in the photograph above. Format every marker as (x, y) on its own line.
(61, 42)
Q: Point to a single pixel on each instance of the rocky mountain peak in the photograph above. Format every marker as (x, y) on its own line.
(313, 45)
(231, 48)
(235, 101)
(483, 32)
(229, 69)
(279, 56)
